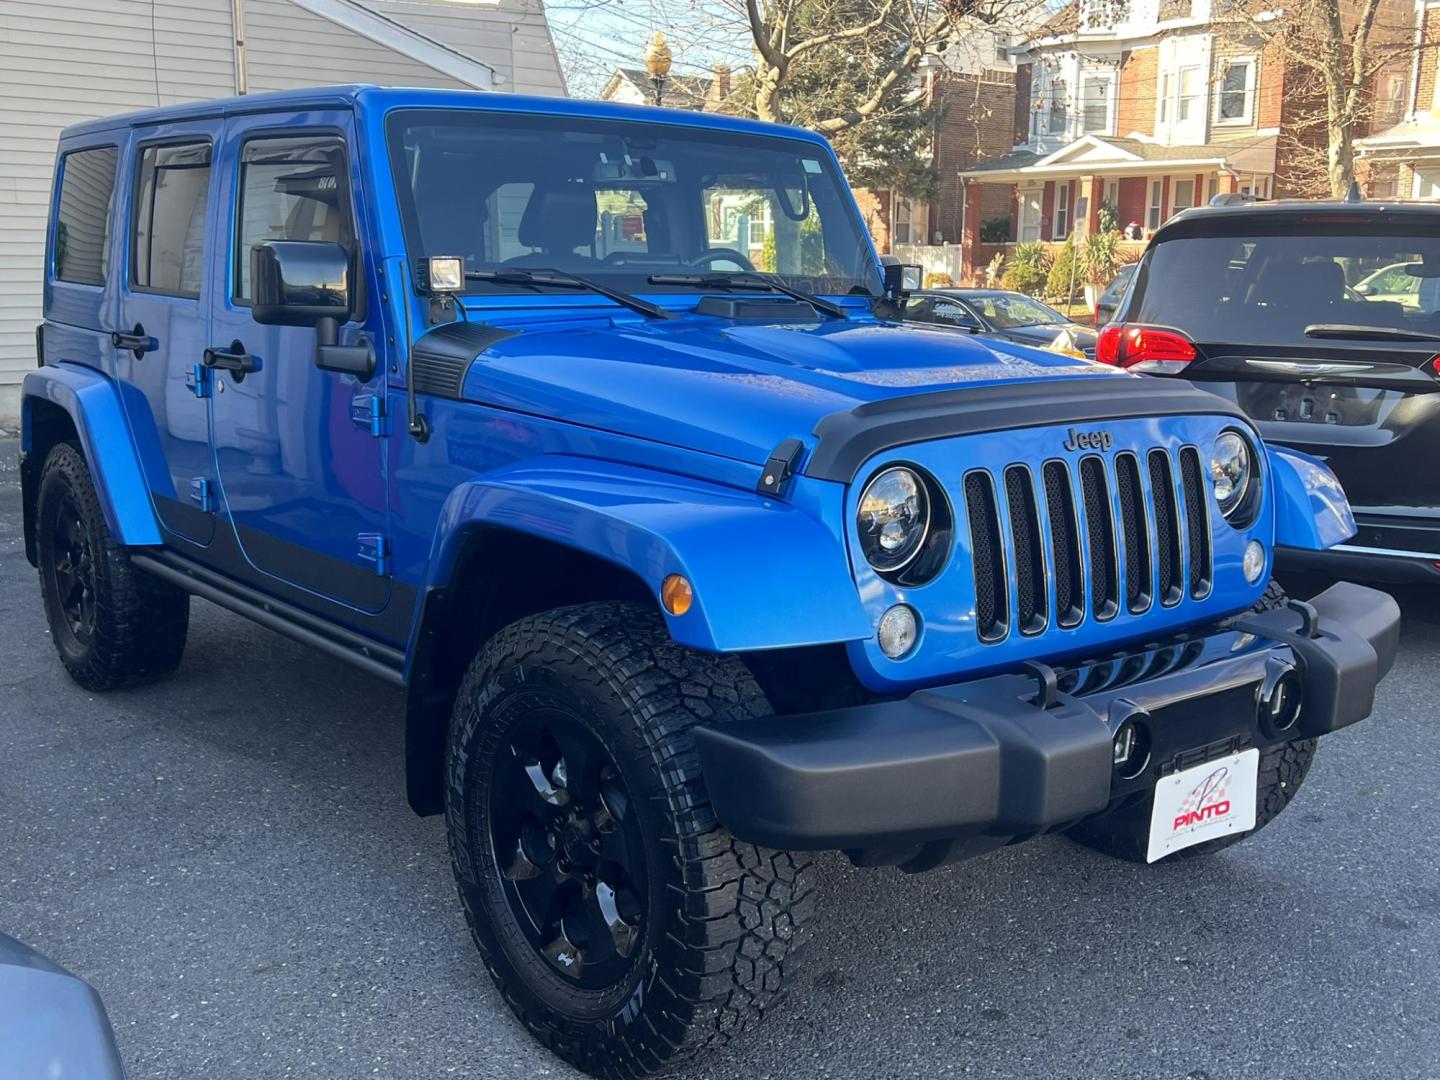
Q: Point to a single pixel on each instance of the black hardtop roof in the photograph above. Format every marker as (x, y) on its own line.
(1269, 214)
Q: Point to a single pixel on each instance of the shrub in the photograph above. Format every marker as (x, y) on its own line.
(1101, 258)
(995, 230)
(1027, 268)
(1063, 272)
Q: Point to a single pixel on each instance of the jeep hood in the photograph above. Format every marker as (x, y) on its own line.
(737, 390)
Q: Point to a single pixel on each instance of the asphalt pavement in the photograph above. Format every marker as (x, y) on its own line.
(229, 859)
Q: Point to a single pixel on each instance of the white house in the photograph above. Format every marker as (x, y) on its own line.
(65, 62)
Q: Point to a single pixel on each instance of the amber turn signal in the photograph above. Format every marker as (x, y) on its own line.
(676, 594)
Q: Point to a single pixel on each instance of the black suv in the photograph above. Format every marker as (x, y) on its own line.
(1322, 321)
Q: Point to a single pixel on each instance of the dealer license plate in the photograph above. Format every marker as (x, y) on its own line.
(1204, 803)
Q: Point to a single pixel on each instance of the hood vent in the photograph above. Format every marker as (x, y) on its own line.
(752, 309)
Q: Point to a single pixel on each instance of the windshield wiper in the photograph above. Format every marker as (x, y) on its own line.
(563, 279)
(1366, 333)
(750, 279)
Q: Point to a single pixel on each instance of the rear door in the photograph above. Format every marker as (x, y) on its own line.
(1326, 332)
(163, 326)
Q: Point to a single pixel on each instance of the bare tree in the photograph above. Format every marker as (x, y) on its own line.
(1333, 51)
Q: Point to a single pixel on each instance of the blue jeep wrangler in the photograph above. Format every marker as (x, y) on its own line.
(593, 429)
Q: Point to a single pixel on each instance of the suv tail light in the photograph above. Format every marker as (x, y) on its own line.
(1144, 348)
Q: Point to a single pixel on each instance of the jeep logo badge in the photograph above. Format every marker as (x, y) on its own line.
(1088, 440)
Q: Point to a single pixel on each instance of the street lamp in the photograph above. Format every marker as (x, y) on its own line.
(657, 63)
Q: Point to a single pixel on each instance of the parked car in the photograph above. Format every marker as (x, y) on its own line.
(687, 567)
(1109, 300)
(52, 1024)
(1322, 322)
(1001, 315)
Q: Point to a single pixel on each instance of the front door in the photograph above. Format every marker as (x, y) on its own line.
(300, 461)
(164, 318)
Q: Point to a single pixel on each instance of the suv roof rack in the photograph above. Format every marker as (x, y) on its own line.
(1235, 198)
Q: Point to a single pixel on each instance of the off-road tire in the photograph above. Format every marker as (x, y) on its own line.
(1125, 833)
(139, 623)
(726, 917)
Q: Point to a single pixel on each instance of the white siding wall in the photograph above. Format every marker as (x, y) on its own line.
(62, 62)
(512, 36)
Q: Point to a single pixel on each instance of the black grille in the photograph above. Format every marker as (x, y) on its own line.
(1064, 545)
(1031, 608)
(1100, 528)
(1034, 553)
(1167, 529)
(988, 555)
(1197, 522)
(1135, 532)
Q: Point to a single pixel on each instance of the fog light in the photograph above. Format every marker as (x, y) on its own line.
(1254, 561)
(1278, 707)
(1130, 750)
(899, 627)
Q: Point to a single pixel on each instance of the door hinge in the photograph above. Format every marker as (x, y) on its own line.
(367, 410)
(779, 467)
(375, 549)
(202, 494)
(198, 380)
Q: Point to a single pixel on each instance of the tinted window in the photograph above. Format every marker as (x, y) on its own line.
(1268, 289)
(82, 224)
(170, 218)
(1008, 311)
(290, 189)
(624, 201)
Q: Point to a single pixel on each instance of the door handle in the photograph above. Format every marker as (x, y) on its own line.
(137, 341)
(233, 359)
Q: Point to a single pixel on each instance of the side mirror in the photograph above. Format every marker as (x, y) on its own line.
(902, 279)
(307, 283)
(1364, 290)
(299, 282)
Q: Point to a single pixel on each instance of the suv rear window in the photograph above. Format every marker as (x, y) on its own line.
(1267, 289)
(82, 220)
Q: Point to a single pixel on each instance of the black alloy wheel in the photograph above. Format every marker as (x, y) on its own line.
(72, 572)
(569, 848)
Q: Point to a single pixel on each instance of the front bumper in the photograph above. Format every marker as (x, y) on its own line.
(958, 769)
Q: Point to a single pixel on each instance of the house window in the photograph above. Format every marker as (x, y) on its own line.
(1112, 194)
(1095, 115)
(902, 232)
(1212, 188)
(1184, 196)
(1062, 211)
(1236, 101)
(1030, 215)
(1059, 108)
(1187, 103)
(1390, 101)
(1002, 48)
(1157, 203)
(1165, 98)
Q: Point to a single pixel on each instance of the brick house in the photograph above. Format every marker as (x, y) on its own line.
(1141, 107)
(1401, 156)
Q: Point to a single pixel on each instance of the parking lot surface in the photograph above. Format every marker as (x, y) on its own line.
(229, 859)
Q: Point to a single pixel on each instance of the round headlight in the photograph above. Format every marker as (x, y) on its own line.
(1231, 468)
(893, 519)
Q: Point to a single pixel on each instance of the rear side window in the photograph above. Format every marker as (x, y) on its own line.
(82, 219)
(169, 229)
(290, 189)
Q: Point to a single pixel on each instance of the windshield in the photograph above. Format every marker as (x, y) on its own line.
(1009, 312)
(619, 201)
(1266, 290)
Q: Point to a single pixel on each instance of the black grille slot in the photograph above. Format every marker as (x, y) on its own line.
(1134, 531)
(1197, 522)
(1064, 545)
(1100, 529)
(1167, 528)
(1031, 606)
(991, 591)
